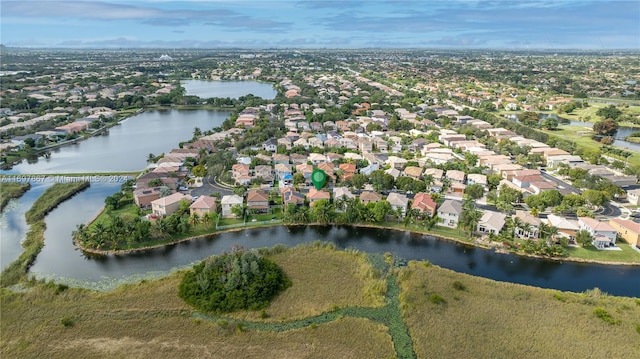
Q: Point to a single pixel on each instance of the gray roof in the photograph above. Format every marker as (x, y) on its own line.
(451, 206)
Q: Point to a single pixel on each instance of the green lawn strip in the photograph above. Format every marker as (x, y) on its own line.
(627, 254)
(105, 217)
(12, 190)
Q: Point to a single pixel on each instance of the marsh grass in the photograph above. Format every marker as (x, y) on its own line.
(52, 197)
(503, 320)
(11, 190)
(323, 279)
(148, 319)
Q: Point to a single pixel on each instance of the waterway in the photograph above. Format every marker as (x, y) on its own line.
(231, 89)
(13, 225)
(127, 145)
(623, 131)
(60, 259)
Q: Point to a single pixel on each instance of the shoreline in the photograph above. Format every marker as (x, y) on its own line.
(475, 244)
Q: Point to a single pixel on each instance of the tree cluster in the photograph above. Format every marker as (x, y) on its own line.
(234, 281)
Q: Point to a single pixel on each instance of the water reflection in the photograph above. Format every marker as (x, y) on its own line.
(61, 259)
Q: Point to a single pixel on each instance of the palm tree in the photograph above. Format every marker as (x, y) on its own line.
(526, 228)
(196, 132)
(151, 158)
(194, 219)
(516, 224)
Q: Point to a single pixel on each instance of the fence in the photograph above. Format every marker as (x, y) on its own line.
(248, 224)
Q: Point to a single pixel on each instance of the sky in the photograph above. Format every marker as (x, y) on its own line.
(504, 24)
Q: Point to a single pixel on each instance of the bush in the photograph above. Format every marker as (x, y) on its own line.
(605, 316)
(67, 322)
(437, 299)
(457, 285)
(235, 281)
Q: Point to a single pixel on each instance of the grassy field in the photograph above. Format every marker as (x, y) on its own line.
(11, 190)
(627, 254)
(588, 114)
(453, 315)
(340, 279)
(584, 141)
(105, 218)
(149, 319)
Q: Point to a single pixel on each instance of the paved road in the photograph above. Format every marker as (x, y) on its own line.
(560, 183)
(210, 186)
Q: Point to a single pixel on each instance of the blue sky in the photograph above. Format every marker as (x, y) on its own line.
(506, 24)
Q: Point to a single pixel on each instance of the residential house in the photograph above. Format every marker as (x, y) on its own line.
(456, 189)
(265, 172)
(348, 170)
(435, 173)
(298, 159)
(257, 201)
(279, 158)
(228, 202)
(423, 203)
(628, 230)
(455, 176)
(532, 227)
(604, 235)
(477, 178)
(286, 142)
(270, 145)
(396, 162)
(306, 171)
(399, 202)
(317, 158)
(413, 172)
(144, 196)
(333, 157)
(168, 205)
(449, 213)
(491, 222)
(202, 205)
(393, 172)
(633, 196)
(282, 170)
(566, 228)
(340, 194)
(367, 197)
(328, 169)
(315, 195)
(291, 196)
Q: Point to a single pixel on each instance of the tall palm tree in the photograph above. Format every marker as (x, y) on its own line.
(516, 224)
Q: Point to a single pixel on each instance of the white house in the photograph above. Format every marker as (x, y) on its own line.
(603, 233)
(227, 202)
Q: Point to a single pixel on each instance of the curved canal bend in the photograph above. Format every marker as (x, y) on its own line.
(60, 259)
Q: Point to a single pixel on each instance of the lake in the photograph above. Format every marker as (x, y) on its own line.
(60, 259)
(231, 89)
(127, 145)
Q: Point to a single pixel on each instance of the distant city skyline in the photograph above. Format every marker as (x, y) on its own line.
(461, 24)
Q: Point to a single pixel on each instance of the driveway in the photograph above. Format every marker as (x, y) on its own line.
(209, 186)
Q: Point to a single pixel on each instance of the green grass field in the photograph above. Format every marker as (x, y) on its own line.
(627, 254)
